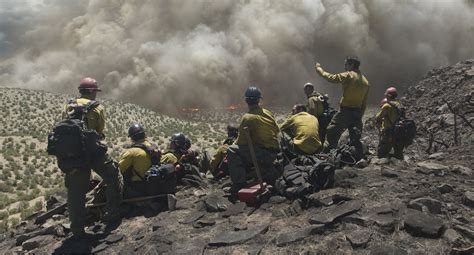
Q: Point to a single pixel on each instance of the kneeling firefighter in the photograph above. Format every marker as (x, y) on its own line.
(218, 163)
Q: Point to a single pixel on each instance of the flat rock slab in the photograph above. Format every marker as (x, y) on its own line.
(432, 166)
(388, 173)
(432, 205)
(237, 237)
(420, 224)
(35, 242)
(334, 212)
(99, 248)
(234, 209)
(192, 217)
(445, 188)
(113, 238)
(298, 234)
(359, 238)
(385, 221)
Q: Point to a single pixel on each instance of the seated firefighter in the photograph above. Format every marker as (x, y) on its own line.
(390, 111)
(218, 164)
(263, 130)
(186, 161)
(137, 164)
(300, 133)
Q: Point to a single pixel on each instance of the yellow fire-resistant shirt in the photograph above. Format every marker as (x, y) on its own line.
(315, 104)
(95, 118)
(262, 127)
(355, 87)
(304, 128)
(170, 158)
(217, 158)
(136, 158)
(388, 114)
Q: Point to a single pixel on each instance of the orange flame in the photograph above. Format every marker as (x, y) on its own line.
(233, 107)
(190, 110)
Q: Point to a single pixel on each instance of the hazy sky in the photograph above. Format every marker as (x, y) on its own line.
(169, 54)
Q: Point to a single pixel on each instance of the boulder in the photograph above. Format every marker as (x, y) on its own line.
(429, 204)
(215, 203)
(359, 238)
(423, 225)
(34, 242)
(468, 199)
(445, 188)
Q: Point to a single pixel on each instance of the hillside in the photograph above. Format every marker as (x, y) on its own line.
(28, 174)
(421, 205)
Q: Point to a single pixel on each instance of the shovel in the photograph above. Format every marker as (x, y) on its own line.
(255, 193)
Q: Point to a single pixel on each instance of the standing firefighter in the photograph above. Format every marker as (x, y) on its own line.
(263, 132)
(318, 106)
(390, 111)
(90, 116)
(352, 106)
(300, 133)
(218, 163)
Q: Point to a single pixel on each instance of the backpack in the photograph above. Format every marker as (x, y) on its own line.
(305, 175)
(74, 145)
(403, 130)
(328, 112)
(159, 178)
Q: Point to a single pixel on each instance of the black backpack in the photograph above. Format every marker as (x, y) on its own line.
(159, 178)
(72, 143)
(328, 112)
(305, 175)
(403, 130)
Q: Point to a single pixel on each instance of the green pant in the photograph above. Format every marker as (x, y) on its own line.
(346, 118)
(239, 160)
(77, 184)
(386, 143)
(288, 147)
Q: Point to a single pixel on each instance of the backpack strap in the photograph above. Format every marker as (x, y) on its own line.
(149, 150)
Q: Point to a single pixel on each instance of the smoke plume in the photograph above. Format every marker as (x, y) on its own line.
(171, 54)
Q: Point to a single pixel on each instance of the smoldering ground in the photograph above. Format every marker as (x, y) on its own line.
(172, 54)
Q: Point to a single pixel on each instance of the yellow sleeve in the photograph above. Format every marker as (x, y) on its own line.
(364, 103)
(382, 113)
(287, 124)
(125, 161)
(241, 139)
(101, 120)
(168, 158)
(334, 78)
(218, 157)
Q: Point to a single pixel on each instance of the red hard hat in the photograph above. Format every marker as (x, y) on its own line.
(392, 91)
(89, 83)
(384, 101)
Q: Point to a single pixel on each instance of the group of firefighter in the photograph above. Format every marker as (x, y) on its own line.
(311, 129)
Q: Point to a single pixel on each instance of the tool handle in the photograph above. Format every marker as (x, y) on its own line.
(253, 156)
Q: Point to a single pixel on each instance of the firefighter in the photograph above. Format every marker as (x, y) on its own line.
(77, 180)
(352, 105)
(176, 150)
(300, 132)
(218, 163)
(134, 162)
(388, 114)
(263, 132)
(318, 107)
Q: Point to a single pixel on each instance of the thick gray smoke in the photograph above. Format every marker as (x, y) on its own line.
(170, 54)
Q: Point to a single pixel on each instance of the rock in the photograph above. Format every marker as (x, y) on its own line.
(204, 223)
(465, 231)
(34, 242)
(192, 217)
(357, 219)
(432, 166)
(428, 204)
(361, 163)
(388, 173)
(99, 248)
(386, 221)
(194, 246)
(468, 199)
(234, 209)
(463, 251)
(452, 236)
(215, 203)
(359, 238)
(445, 188)
(380, 161)
(237, 237)
(437, 155)
(420, 224)
(298, 234)
(113, 238)
(458, 169)
(336, 211)
(57, 217)
(277, 200)
(383, 249)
